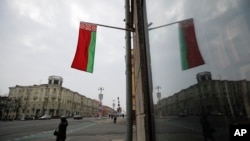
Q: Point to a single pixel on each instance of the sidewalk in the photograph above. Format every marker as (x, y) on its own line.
(108, 120)
(115, 132)
(120, 121)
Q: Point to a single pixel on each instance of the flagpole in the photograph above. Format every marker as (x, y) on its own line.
(168, 24)
(127, 28)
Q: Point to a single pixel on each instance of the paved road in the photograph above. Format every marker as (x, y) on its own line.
(169, 128)
(78, 130)
(188, 129)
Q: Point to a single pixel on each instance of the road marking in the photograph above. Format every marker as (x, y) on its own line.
(49, 134)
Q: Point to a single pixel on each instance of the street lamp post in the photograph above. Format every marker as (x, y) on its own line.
(113, 104)
(100, 104)
(158, 94)
(118, 106)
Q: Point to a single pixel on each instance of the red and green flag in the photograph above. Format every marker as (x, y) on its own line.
(190, 53)
(85, 51)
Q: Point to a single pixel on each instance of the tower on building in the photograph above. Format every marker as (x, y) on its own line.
(55, 80)
(203, 76)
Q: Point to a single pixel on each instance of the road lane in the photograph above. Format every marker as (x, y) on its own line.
(37, 129)
(87, 129)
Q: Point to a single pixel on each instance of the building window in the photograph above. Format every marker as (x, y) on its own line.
(56, 82)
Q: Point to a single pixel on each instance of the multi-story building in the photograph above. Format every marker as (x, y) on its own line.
(220, 97)
(52, 99)
(6, 107)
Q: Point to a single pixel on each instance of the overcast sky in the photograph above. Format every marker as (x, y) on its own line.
(39, 38)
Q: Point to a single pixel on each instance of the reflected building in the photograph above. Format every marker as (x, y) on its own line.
(216, 97)
(52, 99)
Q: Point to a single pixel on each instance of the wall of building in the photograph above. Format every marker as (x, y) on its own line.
(55, 100)
(213, 97)
(142, 83)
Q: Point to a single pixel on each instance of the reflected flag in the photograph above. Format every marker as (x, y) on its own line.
(190, 53)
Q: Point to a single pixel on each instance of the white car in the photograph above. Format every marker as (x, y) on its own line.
(77, 117)
(45, 117)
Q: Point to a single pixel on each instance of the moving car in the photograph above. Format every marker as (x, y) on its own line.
(77, 117)
(45, 117)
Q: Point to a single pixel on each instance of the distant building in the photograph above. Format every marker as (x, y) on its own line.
(4, 107)
(52, 99)
(219, 97)
(106, 111)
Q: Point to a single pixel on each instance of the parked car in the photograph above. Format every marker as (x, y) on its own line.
(183, 114)
(29, 118)
(45, 117)
(77, 117)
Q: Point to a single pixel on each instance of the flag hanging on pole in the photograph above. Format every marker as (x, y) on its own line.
(190, 53)
(85, 51)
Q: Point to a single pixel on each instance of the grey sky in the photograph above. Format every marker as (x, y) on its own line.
(39, 38)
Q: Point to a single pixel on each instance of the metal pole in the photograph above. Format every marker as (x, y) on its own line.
(167, 24)
(128, 71)
(127, 29)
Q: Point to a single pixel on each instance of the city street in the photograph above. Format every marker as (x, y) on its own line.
(188, 128)
(78, 130)
(171, 128)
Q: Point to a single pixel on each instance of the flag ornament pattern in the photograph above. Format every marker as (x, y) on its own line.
(190, 53)
(85, 51)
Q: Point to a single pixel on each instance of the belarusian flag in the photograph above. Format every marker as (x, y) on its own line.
(190, 53)
(85, 52)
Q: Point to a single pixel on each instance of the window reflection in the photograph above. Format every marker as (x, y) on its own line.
(216, 93)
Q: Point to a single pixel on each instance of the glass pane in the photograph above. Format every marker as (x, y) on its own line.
(212, 90)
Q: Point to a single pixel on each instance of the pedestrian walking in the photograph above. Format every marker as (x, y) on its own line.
(207, 130)
(115, 118)
(62, 128)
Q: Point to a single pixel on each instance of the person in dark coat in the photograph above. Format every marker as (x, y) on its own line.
(207, 130)
(115, 118)
(62, 128)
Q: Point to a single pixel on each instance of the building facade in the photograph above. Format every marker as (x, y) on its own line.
(215, 97)
(51, 99)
